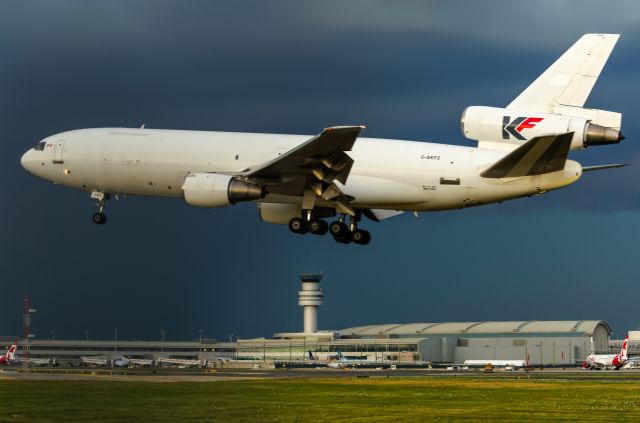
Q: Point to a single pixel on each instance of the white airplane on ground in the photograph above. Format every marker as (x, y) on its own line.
(182, 362)
(9, 355)
(95, 361)
(603, 361)
(134, 362)
(33, 361)
(514, 364)
(297, 180)
(342, 362)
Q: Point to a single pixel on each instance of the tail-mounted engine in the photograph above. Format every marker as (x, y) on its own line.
(218, 190)
(496, 125)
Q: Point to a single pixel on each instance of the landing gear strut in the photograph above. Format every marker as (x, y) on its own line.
(100, 218)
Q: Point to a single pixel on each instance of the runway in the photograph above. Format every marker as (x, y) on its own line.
(187, 375)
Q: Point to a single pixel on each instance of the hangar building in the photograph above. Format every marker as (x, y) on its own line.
(538, 342)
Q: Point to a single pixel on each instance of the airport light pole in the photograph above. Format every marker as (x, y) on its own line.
(53, 334)
(115, 340)
(26, 331)
(162, 340)
(86, 334)
(200, 333)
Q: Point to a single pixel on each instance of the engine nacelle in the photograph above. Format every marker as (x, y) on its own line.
(278, 213)
(492, 124)
(218, 190)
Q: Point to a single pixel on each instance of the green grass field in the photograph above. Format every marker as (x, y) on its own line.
(313, 400)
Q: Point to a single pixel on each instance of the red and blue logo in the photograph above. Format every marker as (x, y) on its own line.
(515, 127)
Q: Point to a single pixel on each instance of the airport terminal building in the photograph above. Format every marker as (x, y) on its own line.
(548, 343)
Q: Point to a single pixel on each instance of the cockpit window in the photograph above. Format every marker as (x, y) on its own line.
(39, 146)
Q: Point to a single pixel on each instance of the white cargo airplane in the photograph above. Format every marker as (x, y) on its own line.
(296, 180)
(603, 361)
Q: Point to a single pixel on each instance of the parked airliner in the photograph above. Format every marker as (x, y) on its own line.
(603, 361)
(9, 356)
(300, 180)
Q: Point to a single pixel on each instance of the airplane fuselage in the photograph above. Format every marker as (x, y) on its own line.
(387, 174)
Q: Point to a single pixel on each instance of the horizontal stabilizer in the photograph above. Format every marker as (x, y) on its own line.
(537, 156)
(602, 167)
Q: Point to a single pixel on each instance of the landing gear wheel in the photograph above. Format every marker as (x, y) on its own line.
(360, 236)
(339, 230)
(318, 227)
(99, 218)
(344, 239)
(298, 225)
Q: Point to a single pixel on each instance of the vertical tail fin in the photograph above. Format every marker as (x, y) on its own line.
(623, 352)
(11, 353)
(568, 82)
(311, 356)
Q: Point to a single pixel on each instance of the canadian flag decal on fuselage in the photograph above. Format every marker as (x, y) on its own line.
(515, 127)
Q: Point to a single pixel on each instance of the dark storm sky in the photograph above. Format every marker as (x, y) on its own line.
(405, 69)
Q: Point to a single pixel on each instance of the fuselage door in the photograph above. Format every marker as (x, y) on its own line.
(58, 148)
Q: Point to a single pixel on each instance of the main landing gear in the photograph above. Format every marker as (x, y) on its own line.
(100, 218)
(340, 231)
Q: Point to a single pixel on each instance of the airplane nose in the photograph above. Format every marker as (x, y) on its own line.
(27, 161)
(23, 160)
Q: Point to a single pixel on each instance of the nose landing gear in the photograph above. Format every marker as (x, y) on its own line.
(100, 218)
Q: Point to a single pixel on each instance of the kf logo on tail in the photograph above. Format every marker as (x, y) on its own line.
(514, 127)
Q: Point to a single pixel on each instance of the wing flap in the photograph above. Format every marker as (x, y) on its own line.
(323, 156)
(537, 156)
(312, 168)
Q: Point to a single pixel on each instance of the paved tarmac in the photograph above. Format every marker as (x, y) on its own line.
(177, 375)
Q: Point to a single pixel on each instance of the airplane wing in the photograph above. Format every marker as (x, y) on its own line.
(311, 166)
(537, 156)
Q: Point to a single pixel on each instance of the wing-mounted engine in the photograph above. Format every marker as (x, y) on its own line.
(497, 125)
(218, 190)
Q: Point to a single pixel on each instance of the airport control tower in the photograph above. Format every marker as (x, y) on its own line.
(310, 297)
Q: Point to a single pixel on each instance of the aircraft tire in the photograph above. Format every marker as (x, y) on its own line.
(339, 229)
(99, 218)
(298, 226)
(318, 227)
(360, 236)
(344, 239)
